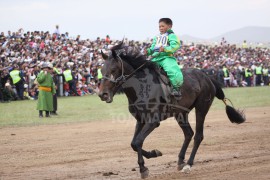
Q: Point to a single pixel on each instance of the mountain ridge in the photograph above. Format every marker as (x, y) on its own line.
(254, 34)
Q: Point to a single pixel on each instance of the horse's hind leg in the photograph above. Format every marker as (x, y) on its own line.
(202, 108)
(188, 133)
(148, 154)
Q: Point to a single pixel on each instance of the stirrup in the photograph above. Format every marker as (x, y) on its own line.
(176, 93)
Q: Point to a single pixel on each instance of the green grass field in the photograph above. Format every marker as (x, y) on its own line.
(91, 108)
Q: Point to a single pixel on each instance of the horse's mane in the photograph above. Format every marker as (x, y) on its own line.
(133, 56)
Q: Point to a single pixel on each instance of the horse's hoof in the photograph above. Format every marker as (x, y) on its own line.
(145, 174)
(158, 153)
(186, 169)
(181, 166)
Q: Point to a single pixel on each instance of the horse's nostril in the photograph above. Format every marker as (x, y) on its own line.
(103, 96)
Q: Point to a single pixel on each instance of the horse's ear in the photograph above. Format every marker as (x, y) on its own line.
(104, 56)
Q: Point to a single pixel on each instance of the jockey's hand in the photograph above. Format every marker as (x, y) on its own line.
(161, 49)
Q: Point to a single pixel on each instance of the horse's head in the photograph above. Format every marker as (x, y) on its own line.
(114, 72)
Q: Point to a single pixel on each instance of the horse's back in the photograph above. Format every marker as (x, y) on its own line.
(196, 78)
(196, 83)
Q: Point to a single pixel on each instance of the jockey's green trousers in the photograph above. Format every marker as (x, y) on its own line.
(170, 66)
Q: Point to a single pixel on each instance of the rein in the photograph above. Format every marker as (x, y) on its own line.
(123, 77)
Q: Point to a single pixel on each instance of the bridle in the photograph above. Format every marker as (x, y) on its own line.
(122, 78)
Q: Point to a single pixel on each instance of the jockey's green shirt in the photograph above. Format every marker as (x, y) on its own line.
(165, 59)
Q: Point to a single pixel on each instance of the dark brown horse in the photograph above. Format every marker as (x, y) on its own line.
(148, 93)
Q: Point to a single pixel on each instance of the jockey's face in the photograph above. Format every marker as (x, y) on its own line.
(163, 27)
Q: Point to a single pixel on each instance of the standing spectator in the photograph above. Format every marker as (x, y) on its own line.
(17, 79)
(226, 76)
(220, 76)
(46, 90)
(66, 35)
(258, 72)
(57, 31)
(126, 42)
(108, 40)
(99, 74)
(8, 35)
(98, 40)
(238, 74)
(243, 77)
(69, 78)
(78, 38)
(265, 76)
(248, 76)
(244, 45)
(55, 83)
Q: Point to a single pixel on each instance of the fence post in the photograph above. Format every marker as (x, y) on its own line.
(61, 89)
(88, 80)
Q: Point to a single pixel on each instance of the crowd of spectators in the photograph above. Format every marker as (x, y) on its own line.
(232, 65)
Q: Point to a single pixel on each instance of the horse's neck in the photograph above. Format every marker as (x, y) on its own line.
(145, 86)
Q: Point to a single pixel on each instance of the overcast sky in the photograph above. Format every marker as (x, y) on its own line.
(135, 19)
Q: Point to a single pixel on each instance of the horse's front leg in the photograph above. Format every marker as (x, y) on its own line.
(138, 143)
(148, 154)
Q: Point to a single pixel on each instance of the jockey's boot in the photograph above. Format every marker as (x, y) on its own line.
(176, 93)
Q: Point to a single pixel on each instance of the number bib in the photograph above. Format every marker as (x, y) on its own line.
(162, 40)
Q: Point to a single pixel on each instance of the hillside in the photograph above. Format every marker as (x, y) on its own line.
(251, 34)
(254, 34)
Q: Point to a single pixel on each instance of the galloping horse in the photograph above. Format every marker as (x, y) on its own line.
(150, 100)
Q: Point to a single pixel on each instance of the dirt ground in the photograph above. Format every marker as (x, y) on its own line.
(101, 150)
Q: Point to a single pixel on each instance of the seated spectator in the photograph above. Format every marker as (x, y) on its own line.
(66, 89)
(33, 91)
(26, 93)
(8, 93)
(78, 88)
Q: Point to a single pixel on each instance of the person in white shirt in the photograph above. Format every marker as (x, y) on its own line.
(57, 31)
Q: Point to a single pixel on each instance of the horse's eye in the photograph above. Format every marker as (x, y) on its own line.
(113, 72)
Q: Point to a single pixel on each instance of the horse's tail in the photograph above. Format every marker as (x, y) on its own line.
(235, 116)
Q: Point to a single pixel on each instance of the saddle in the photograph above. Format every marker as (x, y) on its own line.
(163, 76)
